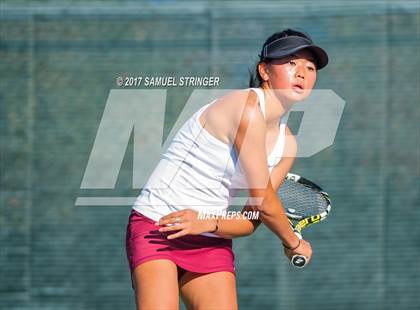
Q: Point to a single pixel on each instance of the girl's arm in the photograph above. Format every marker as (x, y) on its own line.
(279, 172)
(250, 145)
(243, 227)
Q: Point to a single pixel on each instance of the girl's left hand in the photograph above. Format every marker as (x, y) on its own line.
(187, 222)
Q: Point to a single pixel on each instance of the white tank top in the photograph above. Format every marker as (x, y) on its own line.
(198, 171)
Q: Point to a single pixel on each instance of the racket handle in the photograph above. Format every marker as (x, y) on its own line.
(299, 261)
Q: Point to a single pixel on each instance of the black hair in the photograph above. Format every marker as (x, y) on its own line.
(255, 80)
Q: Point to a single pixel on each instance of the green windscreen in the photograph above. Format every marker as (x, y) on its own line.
(59, 62)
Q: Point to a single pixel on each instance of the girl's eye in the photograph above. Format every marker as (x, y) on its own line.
(292, 62)
(311, 68)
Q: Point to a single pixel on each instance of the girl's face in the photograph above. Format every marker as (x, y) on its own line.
(292, 78)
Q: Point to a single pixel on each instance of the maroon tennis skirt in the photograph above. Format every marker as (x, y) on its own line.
(198, 254)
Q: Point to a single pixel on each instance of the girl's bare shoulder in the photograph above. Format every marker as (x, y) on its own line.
(224, 115)
(231, 105)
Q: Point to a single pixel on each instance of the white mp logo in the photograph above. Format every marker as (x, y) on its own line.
(141, 112)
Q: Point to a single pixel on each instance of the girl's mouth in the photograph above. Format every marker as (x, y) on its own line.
(298, 88)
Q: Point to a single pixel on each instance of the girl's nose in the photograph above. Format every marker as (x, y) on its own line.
(299, 73)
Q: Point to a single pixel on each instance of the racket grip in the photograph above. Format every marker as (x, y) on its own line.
(299, 261)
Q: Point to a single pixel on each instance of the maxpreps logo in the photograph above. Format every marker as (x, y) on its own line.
(141, 112)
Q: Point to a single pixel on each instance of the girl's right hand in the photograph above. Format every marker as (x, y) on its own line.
(304, 249)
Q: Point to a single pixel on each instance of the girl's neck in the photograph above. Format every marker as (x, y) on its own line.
(274, 107)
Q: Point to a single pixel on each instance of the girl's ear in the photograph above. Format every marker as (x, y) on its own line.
(263, 71)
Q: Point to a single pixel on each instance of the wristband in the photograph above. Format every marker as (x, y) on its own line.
(290, 248)
(217, 227)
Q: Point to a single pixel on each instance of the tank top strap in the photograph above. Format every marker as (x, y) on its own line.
(283, 123)
(261, 99)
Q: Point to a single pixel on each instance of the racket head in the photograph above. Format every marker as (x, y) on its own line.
(303, 199)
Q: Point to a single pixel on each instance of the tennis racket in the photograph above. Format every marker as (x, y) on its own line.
(305, 204)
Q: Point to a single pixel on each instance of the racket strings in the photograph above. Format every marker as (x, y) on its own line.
(302, 201)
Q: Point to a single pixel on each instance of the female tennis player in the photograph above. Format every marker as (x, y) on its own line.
(238, 141)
